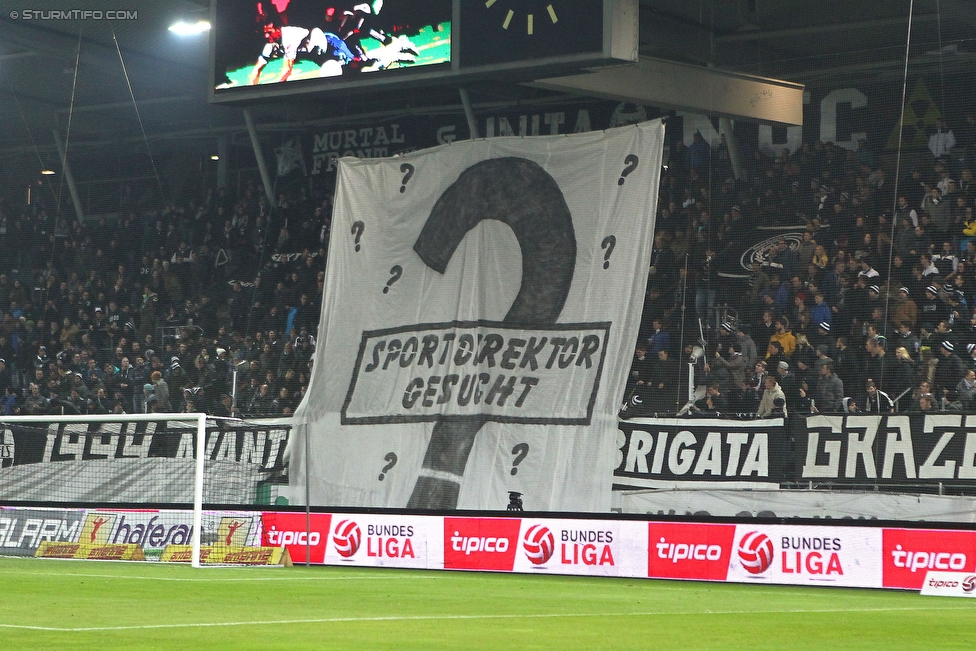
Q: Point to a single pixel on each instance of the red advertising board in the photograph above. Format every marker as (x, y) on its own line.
(910, 553)
(289, 530)
(748, 552)
(689, 551)
(480, 543)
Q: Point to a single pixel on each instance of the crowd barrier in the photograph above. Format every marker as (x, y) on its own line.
(753, 553)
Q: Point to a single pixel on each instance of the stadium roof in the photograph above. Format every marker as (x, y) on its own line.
(815, 43)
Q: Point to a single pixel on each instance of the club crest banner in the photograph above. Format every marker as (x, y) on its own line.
(481, 304)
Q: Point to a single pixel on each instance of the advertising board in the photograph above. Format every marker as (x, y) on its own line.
(849, 555)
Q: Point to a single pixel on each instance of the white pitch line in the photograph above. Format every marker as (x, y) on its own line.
(410, 618)
(681, 586)
(358, 577)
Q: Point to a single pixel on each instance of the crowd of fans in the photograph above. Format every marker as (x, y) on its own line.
(161, 310)
(869, 310)
(864, 301)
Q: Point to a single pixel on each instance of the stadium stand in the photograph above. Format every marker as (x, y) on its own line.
(882, 297)
(213, 283)
(159, 310)
(218, 289)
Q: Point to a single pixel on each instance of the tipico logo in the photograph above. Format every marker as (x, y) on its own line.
(347, 538)
(538, 544)
(756, 552)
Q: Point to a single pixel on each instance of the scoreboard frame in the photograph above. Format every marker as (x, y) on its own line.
(615, 44)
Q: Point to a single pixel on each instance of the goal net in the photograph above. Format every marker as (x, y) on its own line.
(135, 487)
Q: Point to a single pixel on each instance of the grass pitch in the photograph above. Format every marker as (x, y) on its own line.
(90, 605)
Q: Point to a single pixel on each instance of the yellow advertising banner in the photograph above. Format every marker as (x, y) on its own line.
(130, 552)
(230, 555)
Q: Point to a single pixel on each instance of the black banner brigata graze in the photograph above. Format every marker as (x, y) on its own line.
(889, 450)
(896, 453)
(43, 442)
(660, 452)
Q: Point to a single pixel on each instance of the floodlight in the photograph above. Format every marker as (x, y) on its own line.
(183, 28)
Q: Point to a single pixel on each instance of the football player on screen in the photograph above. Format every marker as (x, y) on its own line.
(357, 23)
(289, 42)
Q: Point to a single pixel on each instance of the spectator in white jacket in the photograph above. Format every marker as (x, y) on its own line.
(942, 141)
(770, 395)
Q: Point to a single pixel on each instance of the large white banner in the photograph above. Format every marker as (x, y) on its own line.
(481, 305)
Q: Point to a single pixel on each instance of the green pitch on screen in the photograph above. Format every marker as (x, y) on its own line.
(432, 47)
(103, 605)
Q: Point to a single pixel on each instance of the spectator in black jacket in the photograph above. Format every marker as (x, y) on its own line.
(640, 369)
(5, 381)
(948, 372)
(875, 366)
(713, 403)
(790, 384)
(877, 401)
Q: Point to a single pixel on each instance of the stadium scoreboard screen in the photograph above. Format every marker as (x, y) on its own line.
(266, 48)
(273, 42)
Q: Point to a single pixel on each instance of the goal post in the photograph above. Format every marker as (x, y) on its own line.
(145, 480)
(198, 489)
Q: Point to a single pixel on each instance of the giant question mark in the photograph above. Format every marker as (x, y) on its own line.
(517, 192)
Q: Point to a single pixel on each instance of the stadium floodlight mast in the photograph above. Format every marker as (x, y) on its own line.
(201, 439)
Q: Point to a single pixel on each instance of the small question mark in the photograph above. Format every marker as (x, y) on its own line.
(632, 161)
(409, 169)
(392, 458)
(608, 243)
(397, 271)
(522, 450)
(357, 230)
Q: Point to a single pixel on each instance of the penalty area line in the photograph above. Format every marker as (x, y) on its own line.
(421, 618)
